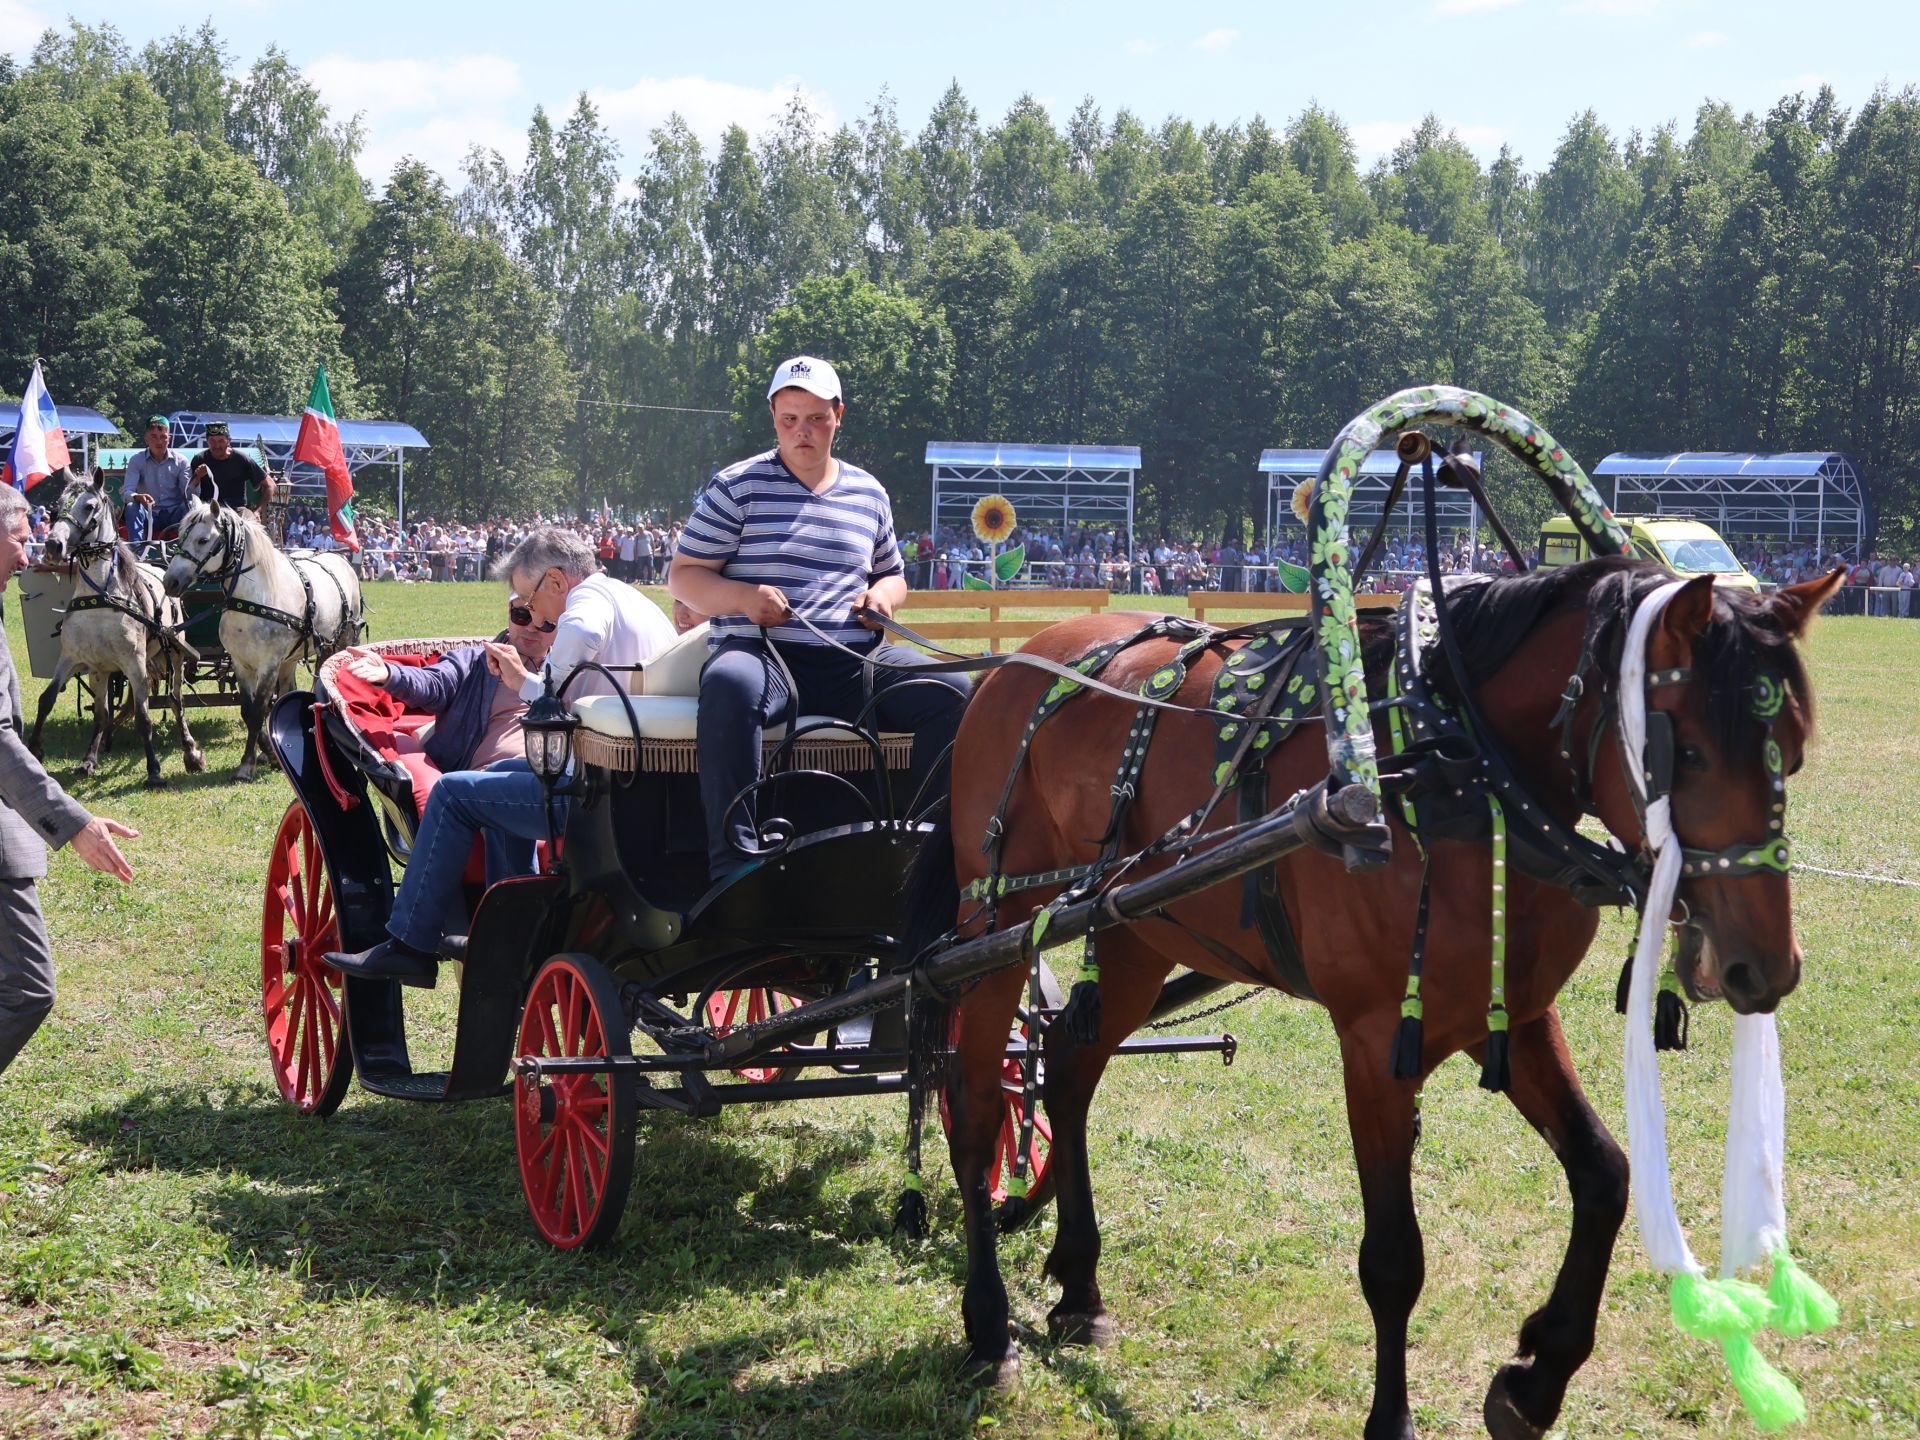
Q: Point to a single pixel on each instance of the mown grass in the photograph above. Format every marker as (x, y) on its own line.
(181, 1255)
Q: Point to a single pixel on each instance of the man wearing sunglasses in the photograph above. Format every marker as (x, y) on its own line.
(561, 603)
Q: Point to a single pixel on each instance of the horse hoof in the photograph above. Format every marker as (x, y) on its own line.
(156, 782)
(1503, 1417)
(245, 777)
(1081, 1328)
(1002, 1374)
(196, 762)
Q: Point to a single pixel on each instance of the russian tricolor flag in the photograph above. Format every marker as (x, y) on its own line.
(39, 444)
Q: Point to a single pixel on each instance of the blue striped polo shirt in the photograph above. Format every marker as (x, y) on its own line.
(823, 549)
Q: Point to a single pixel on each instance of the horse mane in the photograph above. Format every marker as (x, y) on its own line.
(1741, 644)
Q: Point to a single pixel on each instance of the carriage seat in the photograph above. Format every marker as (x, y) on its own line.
(665, 719)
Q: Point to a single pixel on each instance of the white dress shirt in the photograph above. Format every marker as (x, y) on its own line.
(608, 621)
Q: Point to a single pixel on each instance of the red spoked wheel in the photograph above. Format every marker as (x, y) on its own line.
(574, 1132)
(728, 1008)
(303, 997)
(1013, 1077)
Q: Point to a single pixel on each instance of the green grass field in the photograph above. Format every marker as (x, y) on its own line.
(180, 1254)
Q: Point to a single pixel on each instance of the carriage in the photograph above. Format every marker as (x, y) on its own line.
(617, 979)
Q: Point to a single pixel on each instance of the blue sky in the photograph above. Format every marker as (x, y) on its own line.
(432, 78)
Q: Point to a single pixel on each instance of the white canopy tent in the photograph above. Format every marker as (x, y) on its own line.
(1798, 496)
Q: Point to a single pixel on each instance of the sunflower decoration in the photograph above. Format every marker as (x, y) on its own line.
(1302, 500)
(993, 519)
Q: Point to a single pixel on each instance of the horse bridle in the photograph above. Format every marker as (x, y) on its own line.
(1769, 856)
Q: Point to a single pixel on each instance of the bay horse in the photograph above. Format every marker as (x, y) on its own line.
(1520, 639)
(120, 621)
(276, 610)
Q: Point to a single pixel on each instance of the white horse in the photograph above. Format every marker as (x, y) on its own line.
(120, 621)
(277, 610)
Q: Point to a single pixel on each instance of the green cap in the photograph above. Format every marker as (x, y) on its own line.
(160, 420)
(217, 427)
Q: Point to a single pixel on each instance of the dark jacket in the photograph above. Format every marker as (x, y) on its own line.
(457, 690)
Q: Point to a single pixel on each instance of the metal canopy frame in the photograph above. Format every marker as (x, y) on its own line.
(1063, 484)
(366, 442)
(1795, 495)
(1285, 469)
(76, 421)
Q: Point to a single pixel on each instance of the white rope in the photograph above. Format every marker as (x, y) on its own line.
(1858, 875)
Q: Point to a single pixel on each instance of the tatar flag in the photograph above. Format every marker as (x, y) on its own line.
(319, 444)
(39, 444)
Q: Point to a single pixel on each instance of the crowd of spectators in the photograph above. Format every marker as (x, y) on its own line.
(1071, 558)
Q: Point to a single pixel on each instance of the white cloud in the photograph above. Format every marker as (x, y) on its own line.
(1471, 7)
(1637, 8)
(1374, 138)
(1706, 40)
(633, 112)
(1216, 40)
(1808, 82)
(21, 26)
(435, 110)
(1142, 47)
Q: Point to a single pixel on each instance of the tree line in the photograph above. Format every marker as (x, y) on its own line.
(179, 232)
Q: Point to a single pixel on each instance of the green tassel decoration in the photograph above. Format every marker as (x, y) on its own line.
(1772, 1400)
(1801, 1306)
(1720, 1310)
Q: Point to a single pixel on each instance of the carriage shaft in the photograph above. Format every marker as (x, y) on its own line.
(1278, 834)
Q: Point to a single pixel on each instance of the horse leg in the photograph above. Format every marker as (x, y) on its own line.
(975, 1110)
(143, 718)
(1525, 1397)
(191, 754)
(62, 673)
(251, 714)
(1393, 1266)
(1131, 974)
(102, 719)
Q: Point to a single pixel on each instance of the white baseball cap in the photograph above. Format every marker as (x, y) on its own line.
(816, 377)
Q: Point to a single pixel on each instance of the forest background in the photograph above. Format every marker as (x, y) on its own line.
(178, 230)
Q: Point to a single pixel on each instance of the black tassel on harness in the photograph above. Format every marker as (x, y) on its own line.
(1082, 1011)
(1496, 1073)
(1408, 1041)
(1669, 1021)
(1624, 987)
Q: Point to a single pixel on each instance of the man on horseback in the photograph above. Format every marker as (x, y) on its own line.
(232, 472)
(781, 550)
(160, 478)
(556, 590)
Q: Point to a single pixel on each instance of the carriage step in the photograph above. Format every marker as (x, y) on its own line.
(406, 1084)
(452, 947)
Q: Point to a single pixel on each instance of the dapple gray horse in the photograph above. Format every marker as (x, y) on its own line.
(278, 609)
(120, 621)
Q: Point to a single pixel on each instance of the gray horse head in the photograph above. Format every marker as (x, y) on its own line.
(85, 520)
(206, 537)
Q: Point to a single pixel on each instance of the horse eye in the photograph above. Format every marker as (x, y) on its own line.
(1692, 757)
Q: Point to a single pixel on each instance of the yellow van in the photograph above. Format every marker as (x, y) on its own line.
(1686, 547)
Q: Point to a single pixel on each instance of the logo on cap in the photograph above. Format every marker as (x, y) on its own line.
(799, 367)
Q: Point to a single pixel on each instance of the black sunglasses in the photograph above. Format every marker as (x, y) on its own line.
(523, 617)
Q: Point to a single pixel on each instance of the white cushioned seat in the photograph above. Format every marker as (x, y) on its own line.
(677, 717)
(676, 669)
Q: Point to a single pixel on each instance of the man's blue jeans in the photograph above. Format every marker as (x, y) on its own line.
(507, 804)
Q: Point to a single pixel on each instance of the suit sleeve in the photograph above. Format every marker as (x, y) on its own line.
(25, 785)
(431, 687)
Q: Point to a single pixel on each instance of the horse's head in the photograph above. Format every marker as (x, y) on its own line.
(84, 521)
(206, 537)
(1725, 678)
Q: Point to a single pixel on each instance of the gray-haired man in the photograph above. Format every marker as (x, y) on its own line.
(34, 813)
(555, 585)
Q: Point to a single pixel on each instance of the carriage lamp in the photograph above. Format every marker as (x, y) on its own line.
(548, 727)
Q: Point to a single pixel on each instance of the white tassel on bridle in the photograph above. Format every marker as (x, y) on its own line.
(1753, 1210)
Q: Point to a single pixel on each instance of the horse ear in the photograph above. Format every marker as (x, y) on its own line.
(1794, 606)
(99, 480)
(1689, 611)
(210, 493)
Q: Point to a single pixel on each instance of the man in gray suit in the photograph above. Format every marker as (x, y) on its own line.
(34, 813)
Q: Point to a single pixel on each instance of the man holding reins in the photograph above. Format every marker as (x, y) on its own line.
(232, 472)
(159, 477)
(782, 535)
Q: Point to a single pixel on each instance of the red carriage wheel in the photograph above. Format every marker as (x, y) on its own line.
(1013, 1077)
(728, 1008)
(574, 1133)
(303, 997)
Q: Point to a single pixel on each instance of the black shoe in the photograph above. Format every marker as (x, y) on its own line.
(389, 960)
